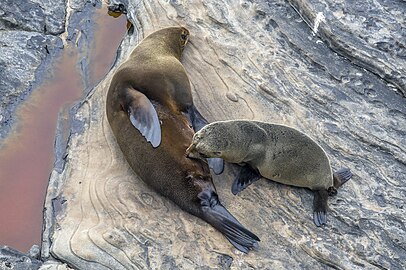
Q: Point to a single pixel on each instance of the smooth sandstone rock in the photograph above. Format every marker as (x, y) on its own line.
(245, 60)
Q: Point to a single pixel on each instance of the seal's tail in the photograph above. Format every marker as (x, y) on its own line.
(219, 217)
(341, 176)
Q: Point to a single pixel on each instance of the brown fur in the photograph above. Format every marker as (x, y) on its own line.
(157, 55)
(166, 167)
(154, 70)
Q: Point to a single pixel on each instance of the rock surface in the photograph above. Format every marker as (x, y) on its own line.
(14, 259)
(369, 33)
(28, 40)
(257, 61)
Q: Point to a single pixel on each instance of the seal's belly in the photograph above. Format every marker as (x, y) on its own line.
(294, 172)
(286, 178)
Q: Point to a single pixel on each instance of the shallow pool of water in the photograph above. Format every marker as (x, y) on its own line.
(27, 155)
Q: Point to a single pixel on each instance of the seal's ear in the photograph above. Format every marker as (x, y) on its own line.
(142, 114)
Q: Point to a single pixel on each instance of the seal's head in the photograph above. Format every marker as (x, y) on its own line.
(210, 142)
(172, 38)
(229, 140)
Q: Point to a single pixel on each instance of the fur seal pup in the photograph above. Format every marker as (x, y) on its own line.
(149, 108)
(277, 152)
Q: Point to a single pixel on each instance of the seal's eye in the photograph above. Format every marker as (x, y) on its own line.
(184, 35)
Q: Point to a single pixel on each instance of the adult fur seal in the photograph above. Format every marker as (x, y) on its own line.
(149, 108)
(154, 72)
(276, 152)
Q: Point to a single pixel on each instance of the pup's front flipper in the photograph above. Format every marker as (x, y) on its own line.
(219, 217)
(142, 114)
(320, 207)
(216, 164)
(245, 177)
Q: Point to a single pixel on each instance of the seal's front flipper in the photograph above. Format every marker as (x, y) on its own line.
(341, 176)
(216, 164)
(197, 120)
(142, 115)
(219, 217)
(245, 177)
(320, 207)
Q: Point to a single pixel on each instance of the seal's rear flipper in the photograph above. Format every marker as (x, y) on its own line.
(244, 178)
(219, 217)
(320, 207)
(341, 176)
(142, 115)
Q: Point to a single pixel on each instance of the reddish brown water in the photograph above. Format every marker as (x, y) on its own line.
(27, 155)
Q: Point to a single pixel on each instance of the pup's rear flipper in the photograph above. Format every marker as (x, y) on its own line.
(341, 176)
(218, 216)
(320, 207)
(245, 177)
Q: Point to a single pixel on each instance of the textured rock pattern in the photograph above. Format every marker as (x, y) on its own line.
(28, 35)
(13, 259)
(370, 33)
(245, 60)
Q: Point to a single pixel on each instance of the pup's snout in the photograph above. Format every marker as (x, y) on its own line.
(192, 153)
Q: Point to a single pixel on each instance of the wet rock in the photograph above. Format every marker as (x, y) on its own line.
(23, 57)
(13, 259)
(27, 44)
(264, 53)
(34, 252)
